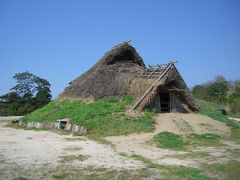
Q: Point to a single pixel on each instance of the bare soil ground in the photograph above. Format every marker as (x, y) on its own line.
(43, 154)
(27, 151)
(180, 124)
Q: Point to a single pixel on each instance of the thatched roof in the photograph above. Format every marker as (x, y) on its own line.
(118, 74)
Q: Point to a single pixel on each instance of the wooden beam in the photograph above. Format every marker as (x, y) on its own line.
(148, 91)
(176, 89)
(152, 72)
(186, 108)
(121, 44)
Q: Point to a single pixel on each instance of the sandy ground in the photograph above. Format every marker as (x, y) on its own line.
(33, 153)
(180, 124)
(29, 151)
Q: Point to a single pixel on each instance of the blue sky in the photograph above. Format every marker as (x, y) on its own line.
(60, 39)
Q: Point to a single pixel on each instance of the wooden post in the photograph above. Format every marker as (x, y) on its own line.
(170, 102)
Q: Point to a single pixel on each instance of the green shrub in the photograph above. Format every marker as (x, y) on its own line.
(235, 105)
(234, 100)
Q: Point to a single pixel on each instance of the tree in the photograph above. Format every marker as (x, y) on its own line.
(217, 91)
(41, 83)
(234, 98)
(220, 91)
(25, 84)
(200, 91)
(30, 93)
(10, 102)
(43, 95)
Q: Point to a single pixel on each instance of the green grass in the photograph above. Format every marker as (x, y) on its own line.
(19, 178)
(189, 173)
(204, 139)
(210, 110)
(103, 117)
(173, 141)
(174, 172)
(230, 170)
(60, 176)
(169, 140)
(235, 133)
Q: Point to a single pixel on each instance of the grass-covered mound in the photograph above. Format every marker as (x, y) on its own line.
(210, 109)
(103, 117)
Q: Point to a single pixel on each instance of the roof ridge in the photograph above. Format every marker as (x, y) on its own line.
(124, 43)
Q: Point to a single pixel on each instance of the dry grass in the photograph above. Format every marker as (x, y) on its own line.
(70, 158)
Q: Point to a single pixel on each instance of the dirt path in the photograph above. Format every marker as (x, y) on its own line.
(176, 123)
(236, 119)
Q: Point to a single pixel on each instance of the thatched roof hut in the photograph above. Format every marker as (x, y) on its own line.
(122, 72)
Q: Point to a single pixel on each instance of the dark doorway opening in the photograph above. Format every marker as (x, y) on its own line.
(165, 102)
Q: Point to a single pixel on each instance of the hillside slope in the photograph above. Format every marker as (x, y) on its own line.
(102, 118)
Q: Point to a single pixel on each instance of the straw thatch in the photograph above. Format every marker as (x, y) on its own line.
(117, 74)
